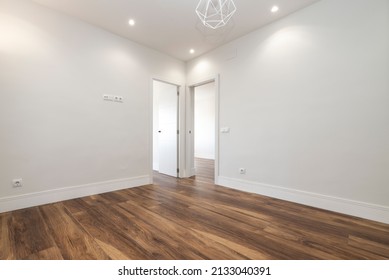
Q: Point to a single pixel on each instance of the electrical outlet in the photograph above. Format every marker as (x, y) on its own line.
(118, 98)
(17, 183)
(242, 170)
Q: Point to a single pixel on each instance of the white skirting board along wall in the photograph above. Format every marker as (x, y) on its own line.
(364, 210)
(40, 198)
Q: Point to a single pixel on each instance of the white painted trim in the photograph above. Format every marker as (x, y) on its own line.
(360, 209)
(189, 130)
(151, 124)
(40, 198)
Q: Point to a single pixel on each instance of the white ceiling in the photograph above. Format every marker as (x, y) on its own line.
(172, 26)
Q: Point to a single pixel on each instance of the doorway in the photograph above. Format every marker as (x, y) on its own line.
(204, 132)
(202, 123)
(165, 128)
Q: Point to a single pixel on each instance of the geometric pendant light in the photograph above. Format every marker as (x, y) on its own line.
(215, 13)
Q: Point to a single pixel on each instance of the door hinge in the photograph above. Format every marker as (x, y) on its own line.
(178, 170)
(178, 132)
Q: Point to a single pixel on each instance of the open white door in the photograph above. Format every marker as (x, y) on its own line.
(167, 127)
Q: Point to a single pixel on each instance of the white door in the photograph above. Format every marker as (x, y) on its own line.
(167, 127)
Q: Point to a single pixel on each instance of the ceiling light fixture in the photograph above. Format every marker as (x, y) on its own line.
(215, 13)
(192, 51)
(131, 22)
(275, 9)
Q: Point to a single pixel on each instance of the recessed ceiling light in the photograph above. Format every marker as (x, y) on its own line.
(131, 22)
(275, 9)
(192, 51)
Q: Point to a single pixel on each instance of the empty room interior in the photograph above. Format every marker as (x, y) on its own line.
(149, 130)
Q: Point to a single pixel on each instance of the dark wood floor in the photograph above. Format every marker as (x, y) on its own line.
(205, 170)
(187, 219)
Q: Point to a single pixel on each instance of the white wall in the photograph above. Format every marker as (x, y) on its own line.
(56, 131)
(307, 102)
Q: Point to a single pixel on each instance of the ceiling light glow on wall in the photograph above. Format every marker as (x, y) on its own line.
(275, 9)
(215, 13)
(131, 22)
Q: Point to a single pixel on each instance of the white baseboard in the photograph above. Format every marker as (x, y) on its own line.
(350, 207)
(40, 198)
(192, 172)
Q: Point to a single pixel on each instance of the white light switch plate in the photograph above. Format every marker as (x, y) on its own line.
(107, 97)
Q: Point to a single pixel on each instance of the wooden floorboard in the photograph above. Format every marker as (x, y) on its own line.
(205, 170)
(187, 219)
(71, 239)
(29, 233)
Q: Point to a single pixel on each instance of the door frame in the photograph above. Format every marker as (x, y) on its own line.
(180, 125)
(190, 92)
